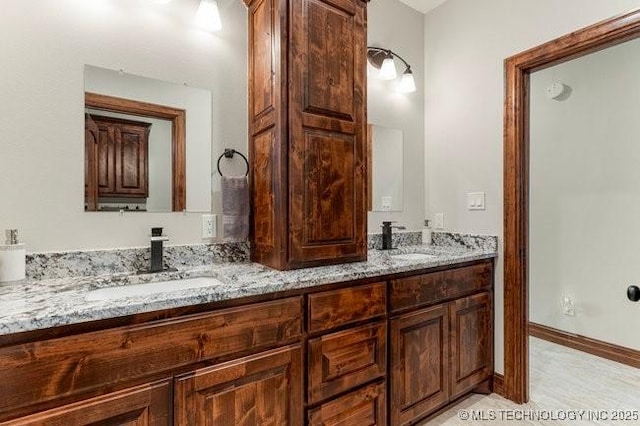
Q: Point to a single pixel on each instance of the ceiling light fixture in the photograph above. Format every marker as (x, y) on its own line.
(383, 59)
(208, 16)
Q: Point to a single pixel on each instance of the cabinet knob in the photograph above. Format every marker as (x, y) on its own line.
(633, 293)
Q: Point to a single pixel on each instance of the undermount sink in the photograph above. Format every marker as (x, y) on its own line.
(413, 256)
(146, 289)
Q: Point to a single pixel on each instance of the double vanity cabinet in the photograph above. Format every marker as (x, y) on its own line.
(391, 349)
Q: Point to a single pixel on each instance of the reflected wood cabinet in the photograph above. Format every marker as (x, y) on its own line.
(349, 354)
(116, 159)
(307, 126)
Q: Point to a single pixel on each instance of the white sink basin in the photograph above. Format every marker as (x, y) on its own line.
(125, 291)
(413, 256)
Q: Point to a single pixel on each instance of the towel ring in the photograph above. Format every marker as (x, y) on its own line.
(229, 153)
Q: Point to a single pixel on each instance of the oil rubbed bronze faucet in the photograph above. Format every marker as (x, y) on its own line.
(157, 255)
(387, 234)
(157, 258)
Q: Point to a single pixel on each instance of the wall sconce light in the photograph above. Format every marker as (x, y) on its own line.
(208, 16)
(383, 59)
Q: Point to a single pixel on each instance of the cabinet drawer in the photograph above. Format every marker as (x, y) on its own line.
(146, 405)
(332, 309)
(75, 364)
(437, 286)
(344, 360)
(363, 407)
(262, 389)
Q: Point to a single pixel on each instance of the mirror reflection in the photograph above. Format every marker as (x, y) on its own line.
(140, 135)
(387, 169)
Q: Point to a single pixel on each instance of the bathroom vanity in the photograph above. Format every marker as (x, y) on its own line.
(387, 341)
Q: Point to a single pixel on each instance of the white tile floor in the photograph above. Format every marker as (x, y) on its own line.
(562, 379)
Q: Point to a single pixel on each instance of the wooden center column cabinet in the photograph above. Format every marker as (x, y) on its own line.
(307, 126)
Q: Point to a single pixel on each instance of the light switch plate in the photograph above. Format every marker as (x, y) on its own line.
(476, 201)
(209, 226)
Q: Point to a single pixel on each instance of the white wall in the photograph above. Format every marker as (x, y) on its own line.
(396, 26)
(466, 42)
(585, 195)
(45, 45)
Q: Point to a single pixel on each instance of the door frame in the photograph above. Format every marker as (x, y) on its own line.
(516, 180)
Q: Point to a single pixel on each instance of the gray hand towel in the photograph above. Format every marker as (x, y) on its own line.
(235, 208)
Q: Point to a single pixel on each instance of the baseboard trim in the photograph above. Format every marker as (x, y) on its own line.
(585, 344)
(498, 384)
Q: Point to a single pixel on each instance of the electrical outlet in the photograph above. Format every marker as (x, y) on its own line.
(568, 307)
(209, 226)
(386, 203)
(438, 221)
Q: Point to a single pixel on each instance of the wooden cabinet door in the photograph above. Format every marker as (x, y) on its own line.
(146, 405)
(471, 342)
(263, 389)
(120, 157)
(419, 364)
(267, 130)
(106, 159)
(363, 407)
(327, 129)
(131, 161)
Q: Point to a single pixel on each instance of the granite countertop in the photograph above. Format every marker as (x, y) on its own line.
(39, 304)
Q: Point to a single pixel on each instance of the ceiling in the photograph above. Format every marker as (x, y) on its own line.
(423, 5)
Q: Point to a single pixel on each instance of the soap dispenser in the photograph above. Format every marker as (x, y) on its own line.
(12, 258)
(426, 233)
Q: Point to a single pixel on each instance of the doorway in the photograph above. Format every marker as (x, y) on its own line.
(518, 70)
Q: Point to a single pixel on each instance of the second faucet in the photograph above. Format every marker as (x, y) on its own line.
(387, 234)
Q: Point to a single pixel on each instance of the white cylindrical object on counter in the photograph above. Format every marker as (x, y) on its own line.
(12, 262)
(426, 233)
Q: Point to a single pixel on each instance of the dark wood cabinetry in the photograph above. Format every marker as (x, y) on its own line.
(116, 159)
(331, 356)
(264, 389)
(146, 405)
(471, 321)
(342, 362)
(307, 118)
(346, 359)
(363, 407)
(419, 364)
(331, 309)
(444, 351)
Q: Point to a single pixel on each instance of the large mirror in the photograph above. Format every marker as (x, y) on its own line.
(147, 144)
(387, 169)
